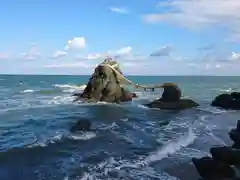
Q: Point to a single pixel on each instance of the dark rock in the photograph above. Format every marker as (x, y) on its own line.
(235, 136)
(77, 94)
(178, 105)
(238, 126)
(235, 95)
(81, 125)
(226, 154)
(227, 101)
(210, 168)
(171, 93)
(134, 95)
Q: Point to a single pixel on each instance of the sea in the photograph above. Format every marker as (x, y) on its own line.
(128, 141)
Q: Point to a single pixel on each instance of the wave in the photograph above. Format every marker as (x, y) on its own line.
(59, 137)
(139, 168)
(27, 91)
(214, 110)
(227, 90)
(70, 88)
(84, 136)
(171, 147)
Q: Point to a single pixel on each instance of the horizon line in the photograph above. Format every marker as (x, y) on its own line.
(186, 75)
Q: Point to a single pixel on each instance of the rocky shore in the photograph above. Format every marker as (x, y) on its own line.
(224, 163)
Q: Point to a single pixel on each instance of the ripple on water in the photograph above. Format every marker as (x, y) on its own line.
(128, 141)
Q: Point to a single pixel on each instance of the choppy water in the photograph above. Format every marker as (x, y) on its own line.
(129, 141)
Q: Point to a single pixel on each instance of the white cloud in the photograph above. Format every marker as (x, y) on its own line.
(162, 51)
(120, 10)
(32, 53)
(235, 56)
(199, 14)
(59, 54)
(76, 43)
(70, 65)
(93, 56)
(124, 51)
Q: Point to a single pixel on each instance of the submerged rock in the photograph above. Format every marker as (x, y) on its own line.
(227, 101)
(211, 169)
(81, 125)
(226, 154)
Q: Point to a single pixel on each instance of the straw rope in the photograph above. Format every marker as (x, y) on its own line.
(124, 80)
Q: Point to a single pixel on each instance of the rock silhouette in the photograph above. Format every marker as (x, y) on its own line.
(220, 165)
(81, 125)
(227, 101)
(171, 99)
(211, 168)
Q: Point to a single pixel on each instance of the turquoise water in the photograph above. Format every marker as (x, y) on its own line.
(129, 141)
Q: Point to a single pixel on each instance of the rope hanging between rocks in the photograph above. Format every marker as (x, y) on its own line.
(138, 86)
(114, 64)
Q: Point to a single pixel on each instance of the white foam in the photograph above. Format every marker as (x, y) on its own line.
(84, 136)
(27, 91)
(171, 147)
(102, 170)
(213, 110)
(46, 142)
(140, 168)
(61, 100)
(227, 90)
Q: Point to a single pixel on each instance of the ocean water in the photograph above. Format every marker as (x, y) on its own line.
(128, 141)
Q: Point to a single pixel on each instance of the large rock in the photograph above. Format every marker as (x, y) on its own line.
(227, 101)
(171, 99)
(226, 154)
(104, 85)
(212, 169)
(171, 93)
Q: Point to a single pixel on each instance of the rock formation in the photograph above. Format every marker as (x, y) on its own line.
(227, 101)
(171, 99)
(104, 85)
(81, 125)
(221, 165)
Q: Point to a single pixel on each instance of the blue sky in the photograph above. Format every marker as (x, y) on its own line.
(148, 37)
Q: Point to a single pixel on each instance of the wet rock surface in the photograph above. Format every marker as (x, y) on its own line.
(211, 168)
(227, 101)
(81, 125)
(171, 99)
(224, 161)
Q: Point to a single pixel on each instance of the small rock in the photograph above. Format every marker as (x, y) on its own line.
(134, 95)
(210, 168)
(226, 154)
(81, 125)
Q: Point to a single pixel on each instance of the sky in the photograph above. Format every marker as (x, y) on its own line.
(146, 37)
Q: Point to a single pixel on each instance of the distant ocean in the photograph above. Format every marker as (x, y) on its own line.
(129, 141)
